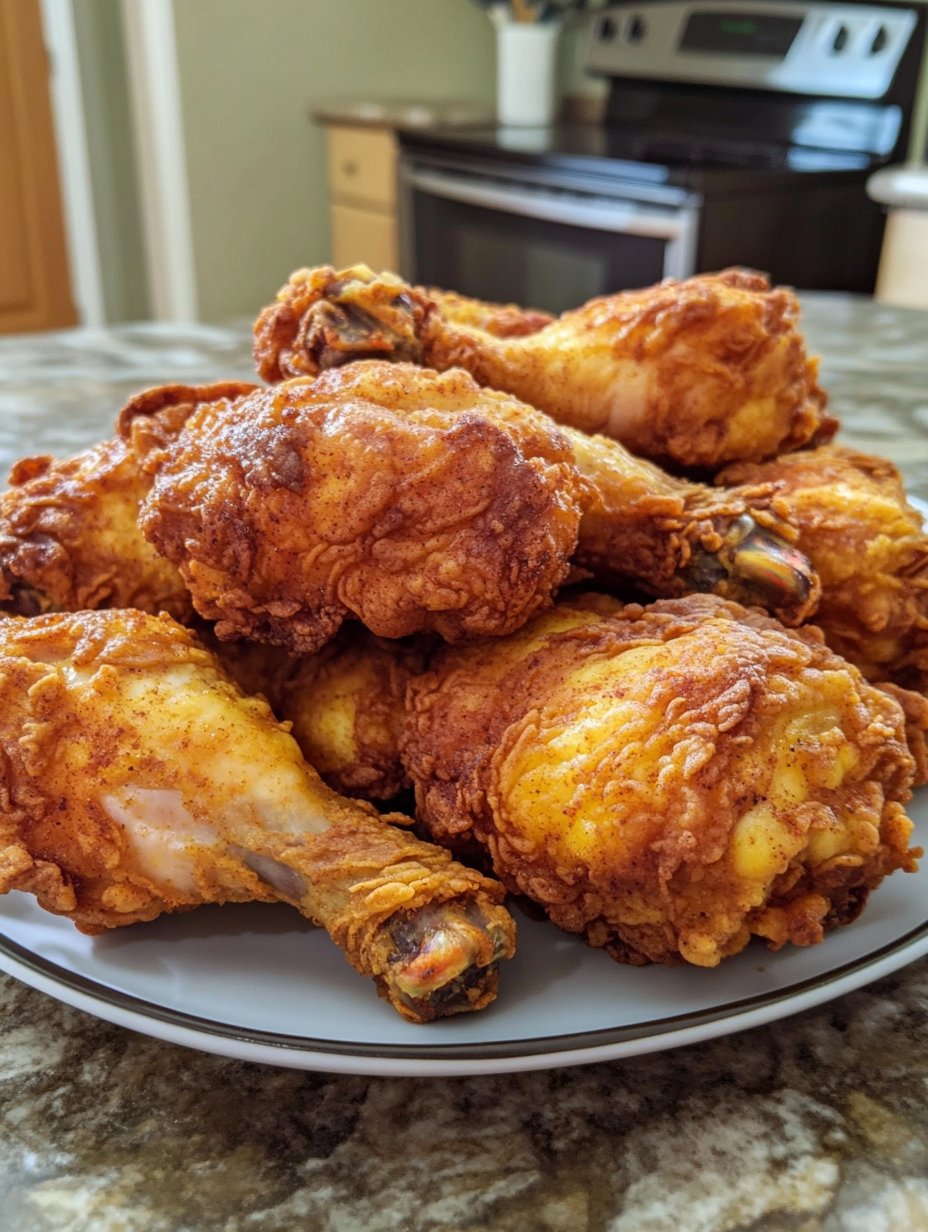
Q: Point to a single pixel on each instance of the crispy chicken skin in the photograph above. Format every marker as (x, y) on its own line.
(499, 320)
(69, 538)
(672, 536)
(384, 493)
(137, 779)
(915, 708)
(666, 781)
(420, 502)
(344, 703)
(691, 374)
(870, 550)
(478, 508)
(69, 534)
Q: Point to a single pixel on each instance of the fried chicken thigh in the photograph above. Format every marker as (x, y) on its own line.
(136, 779)
(691, 374)
(667, 781)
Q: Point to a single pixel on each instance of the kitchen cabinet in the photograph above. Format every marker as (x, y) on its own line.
(361, 164)
(366, 235)
(362, 195)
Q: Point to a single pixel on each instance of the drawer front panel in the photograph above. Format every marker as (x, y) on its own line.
(362, 165)
(363, 236)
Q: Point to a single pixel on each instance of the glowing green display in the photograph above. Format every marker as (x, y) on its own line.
(761, 34)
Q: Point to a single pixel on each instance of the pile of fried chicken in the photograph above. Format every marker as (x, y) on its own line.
(596, 598)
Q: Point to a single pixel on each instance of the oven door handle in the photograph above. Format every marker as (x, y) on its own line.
(628, 218)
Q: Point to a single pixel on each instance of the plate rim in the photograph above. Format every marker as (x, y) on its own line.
(435, 1059)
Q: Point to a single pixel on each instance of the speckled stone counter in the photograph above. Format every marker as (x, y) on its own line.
(819, 1122)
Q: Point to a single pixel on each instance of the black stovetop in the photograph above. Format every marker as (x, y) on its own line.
(614, 152)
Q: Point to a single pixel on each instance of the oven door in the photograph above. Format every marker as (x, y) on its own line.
(546, 247)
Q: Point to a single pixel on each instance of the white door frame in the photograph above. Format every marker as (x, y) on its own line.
(154, 87)
(80, 223)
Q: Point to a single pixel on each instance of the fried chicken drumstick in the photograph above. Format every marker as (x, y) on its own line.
(666, 781)
(412, 500)
(691, 374)
(419, 502)
(69, 534)
(403, 499)
(137, 779)
(869, 548)
(673, 537)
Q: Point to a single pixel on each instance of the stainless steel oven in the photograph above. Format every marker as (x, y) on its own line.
(749, 141)
(556, 239)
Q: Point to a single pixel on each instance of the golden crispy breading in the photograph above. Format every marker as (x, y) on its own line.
(915, 708)
(669, 536)
(384, 492)
(322, 319)
(870, 550)
(69, 538)
(691, 374)
(69, 534)
(500, 320)
(665, 535)
(344, 704)
(77, 543)
(135, 779)
(666, 781)
(672, 537)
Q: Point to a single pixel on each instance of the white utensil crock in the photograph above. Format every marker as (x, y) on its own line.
(525, 71)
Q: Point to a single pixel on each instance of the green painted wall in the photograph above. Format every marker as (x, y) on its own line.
(110, 148)
(573, 78)
(249, 75)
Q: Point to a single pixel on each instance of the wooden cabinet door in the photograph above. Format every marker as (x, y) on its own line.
(35, 288)
(362, 166)
(363, 236)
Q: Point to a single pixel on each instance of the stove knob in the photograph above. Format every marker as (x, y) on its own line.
(636, 29)
(842, 34)
(607, 29)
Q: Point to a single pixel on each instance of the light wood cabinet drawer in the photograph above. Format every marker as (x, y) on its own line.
(363, 237)
(362, 165)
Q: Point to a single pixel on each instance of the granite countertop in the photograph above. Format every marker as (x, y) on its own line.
(818, 1123)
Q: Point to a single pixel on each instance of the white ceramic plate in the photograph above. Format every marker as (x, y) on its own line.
(259, 984)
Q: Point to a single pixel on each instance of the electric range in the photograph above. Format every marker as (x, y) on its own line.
(735, 133)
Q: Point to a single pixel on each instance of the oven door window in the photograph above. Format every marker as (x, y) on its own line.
(496, 255)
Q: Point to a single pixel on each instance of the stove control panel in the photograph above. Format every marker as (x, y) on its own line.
(841, 50)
